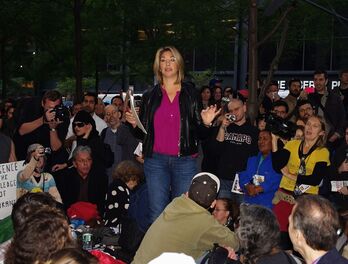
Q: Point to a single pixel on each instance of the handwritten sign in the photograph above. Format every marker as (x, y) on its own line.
(8, 185)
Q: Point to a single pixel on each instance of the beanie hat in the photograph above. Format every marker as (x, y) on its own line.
(204, 188)
(85, 117)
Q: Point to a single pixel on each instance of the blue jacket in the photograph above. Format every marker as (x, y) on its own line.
(270, 184)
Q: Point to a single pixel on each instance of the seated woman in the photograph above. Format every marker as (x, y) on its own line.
(259, 181)
(303, 163)
(33, 178)
(226, 212)
(259, 237)
(126, 177)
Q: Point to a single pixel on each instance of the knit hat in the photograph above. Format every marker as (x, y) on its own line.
(204, 188)
(85, 117)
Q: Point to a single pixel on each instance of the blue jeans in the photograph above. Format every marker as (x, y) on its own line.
(167, 177)
(225, 191)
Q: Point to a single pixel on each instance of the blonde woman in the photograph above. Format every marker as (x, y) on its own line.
(171, 114)
(303, 163)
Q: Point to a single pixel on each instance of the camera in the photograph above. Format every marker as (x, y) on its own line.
(47, 151)
(280, 127)
(231, 117)
(61, 111)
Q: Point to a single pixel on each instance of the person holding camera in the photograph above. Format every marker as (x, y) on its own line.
(304, 164)
(236, 142)
(44, 121)
(33, 178)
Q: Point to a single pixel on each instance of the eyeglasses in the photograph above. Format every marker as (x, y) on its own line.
(218, 210)
(171, 60)
(78, 124)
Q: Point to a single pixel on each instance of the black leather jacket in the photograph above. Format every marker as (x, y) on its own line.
(191, 126)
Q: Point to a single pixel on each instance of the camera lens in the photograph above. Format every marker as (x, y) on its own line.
(47, 151)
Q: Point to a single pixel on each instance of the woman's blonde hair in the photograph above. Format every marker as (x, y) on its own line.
(178, 59)
(322, 138)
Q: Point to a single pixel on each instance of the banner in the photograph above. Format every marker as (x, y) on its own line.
(8, 185)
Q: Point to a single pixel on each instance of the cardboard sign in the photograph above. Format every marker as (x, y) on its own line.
(8, 185)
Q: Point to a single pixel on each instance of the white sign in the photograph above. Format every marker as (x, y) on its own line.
(235, 186)
(8, 185)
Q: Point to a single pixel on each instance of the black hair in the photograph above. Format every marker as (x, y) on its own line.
(280, 103)
(321, 71)
(94, 95)
(293, 81)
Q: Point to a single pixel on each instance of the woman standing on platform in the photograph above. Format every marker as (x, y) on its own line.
(171, 115)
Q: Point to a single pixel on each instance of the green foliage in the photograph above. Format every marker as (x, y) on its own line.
(66, 86)
(128, 32)
(201, 78)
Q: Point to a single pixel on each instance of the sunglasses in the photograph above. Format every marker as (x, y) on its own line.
(78, 124)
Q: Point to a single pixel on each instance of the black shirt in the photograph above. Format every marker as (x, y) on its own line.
(240, 143)
(29, 110)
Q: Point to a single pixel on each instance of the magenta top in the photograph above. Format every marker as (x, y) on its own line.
(167, 126)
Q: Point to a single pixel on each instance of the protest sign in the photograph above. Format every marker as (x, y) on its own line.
(8, 185)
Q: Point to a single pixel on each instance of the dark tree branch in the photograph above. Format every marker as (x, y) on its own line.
(284, 15)
(276, 59)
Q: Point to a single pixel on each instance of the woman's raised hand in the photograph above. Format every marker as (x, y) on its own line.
(209, 114)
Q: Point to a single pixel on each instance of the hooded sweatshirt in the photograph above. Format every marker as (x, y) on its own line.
(184, 227)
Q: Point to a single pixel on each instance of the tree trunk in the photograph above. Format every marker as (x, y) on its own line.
(253, 67)
(3, 72)
(78, 49)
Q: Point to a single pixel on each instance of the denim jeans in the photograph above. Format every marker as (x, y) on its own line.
(225, 191)
(167, 177)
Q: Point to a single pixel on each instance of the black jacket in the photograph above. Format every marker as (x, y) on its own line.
(334, 112)
(191, 126)
(69, 187)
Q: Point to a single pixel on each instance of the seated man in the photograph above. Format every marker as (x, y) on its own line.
(83, 182)
(313, 230)
(186, 226)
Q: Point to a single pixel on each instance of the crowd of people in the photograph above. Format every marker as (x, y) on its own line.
(198, 173)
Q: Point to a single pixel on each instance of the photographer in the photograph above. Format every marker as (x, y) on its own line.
(42, 121)
(303, 163)
(237, 141)
(33, 178)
